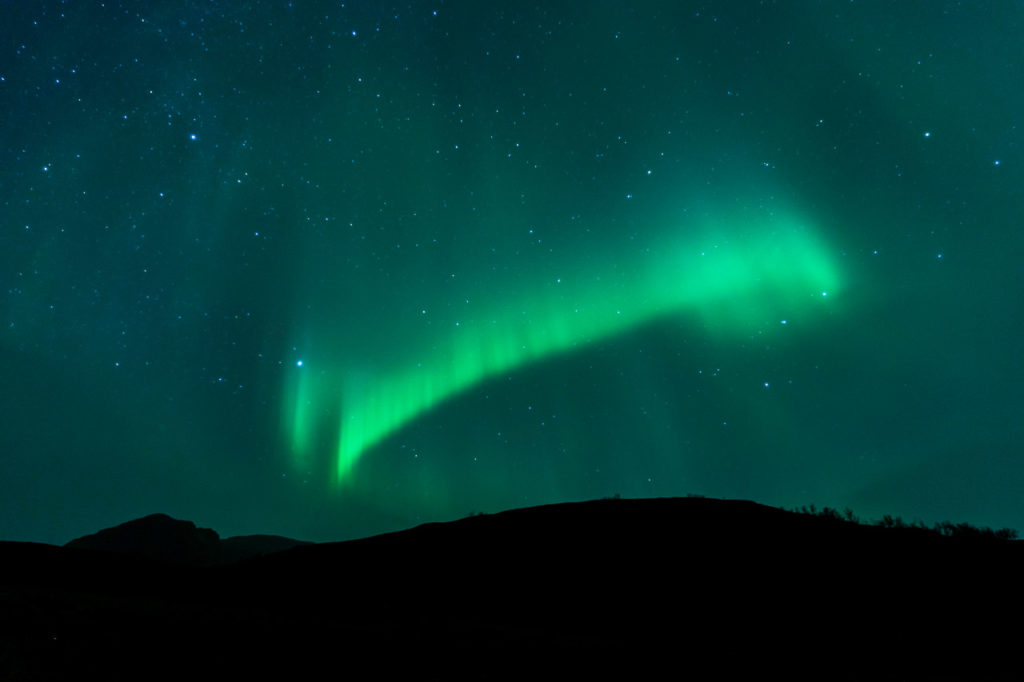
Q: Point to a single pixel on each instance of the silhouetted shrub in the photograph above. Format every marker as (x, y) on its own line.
(830, 513)
(965, 531)
(945, 528)
(889, 521)
(1006, 534)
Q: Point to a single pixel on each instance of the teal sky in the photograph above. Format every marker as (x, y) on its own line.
(331, 269)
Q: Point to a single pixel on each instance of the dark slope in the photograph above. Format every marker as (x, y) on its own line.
(241, 547)
(616, 587)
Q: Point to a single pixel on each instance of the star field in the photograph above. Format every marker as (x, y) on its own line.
(327, 270)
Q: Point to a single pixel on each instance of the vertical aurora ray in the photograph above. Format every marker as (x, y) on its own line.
(297, 416)
(767, 266)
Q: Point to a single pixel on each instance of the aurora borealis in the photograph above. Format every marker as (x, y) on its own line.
(331, 269)
(717, 274)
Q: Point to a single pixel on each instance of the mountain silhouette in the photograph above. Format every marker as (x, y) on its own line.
(611, 588)
(157, 537)
(161, 538)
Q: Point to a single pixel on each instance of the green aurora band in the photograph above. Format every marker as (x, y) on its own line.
(745, 272)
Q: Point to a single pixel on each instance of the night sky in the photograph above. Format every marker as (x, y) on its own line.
(331, 269)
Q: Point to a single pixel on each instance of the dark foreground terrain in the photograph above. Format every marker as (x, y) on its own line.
(615, 588)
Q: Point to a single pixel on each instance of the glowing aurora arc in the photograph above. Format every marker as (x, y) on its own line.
(775, 268)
